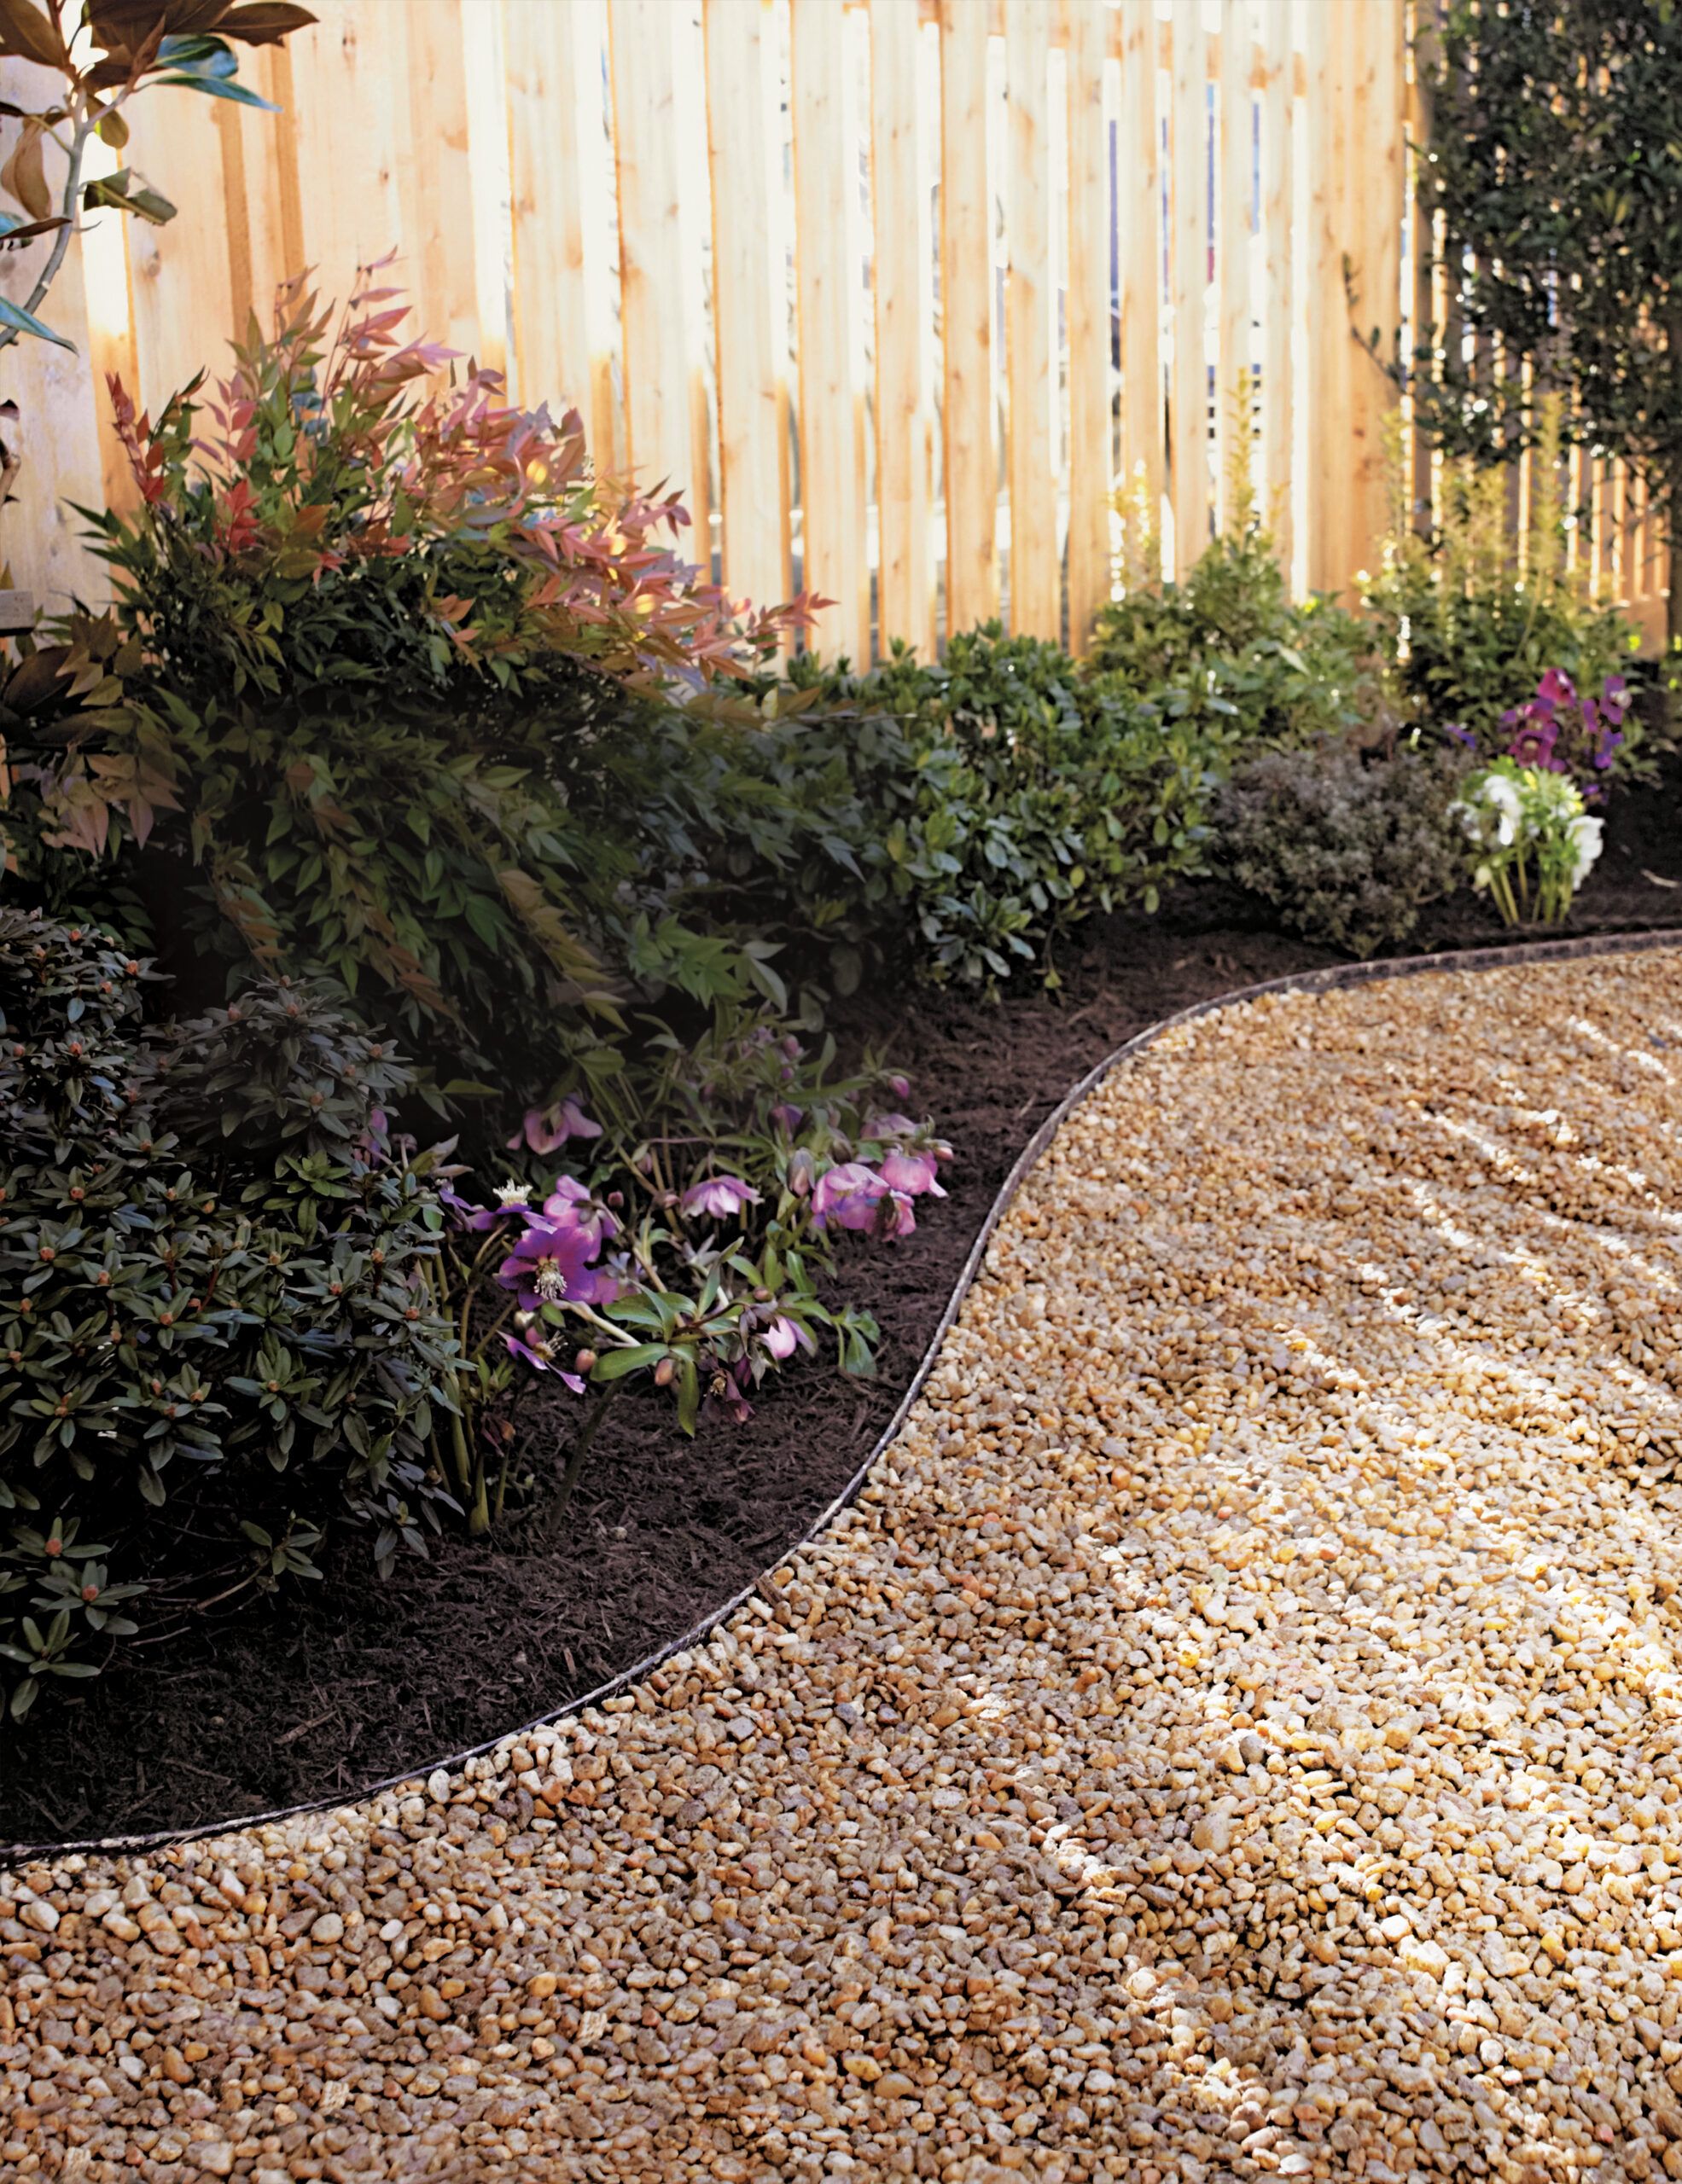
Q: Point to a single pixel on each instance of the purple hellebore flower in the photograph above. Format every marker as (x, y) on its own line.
(540, 1355)
(881, 1126)
(783, 1335)
(571, 1204)
(466, 1214)
(549, 1264)
(1614, 697)
(1533, 745)
(1556, 687)
(374, 1144)
(911, 1174)
(721, 1198)
(546, 1129)
(1464, 734)
(728, 1391)
(788, 1116)
(900, 1086)
(848, 1195)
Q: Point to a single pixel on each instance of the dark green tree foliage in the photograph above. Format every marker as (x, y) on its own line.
(1556, 159)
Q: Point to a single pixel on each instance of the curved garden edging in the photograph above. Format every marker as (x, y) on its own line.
(1322, 980)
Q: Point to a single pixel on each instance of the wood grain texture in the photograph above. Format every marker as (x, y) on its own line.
(1279, 275)
(1036, 587)
(1091, 456)
(834, 513)
(971, 463)
(659, 447)
(436, 181)
(354, 133)
(1189, 274)
(1233, 219)
(1139, 214)
(753, 387)
(901, 257)
(552, 349)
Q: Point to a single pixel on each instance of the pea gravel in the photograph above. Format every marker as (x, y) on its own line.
(1236, 1734)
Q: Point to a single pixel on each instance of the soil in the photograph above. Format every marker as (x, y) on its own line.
(319, 1691)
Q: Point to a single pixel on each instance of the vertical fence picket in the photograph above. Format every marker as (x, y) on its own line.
(1139, 212)
(180, 280)
(753, 391)
(834, 512)
(658, 426)
(437, 182)
(905, 584)
(353, 124)
(553, 361)
(1036, 605)
(971, 464)
(1330, 338)
(1190, 273)
(1377, 111)
(1091, 457)
(1232, 242)
(1280, 275)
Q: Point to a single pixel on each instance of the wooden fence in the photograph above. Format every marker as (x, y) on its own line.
(906, 295)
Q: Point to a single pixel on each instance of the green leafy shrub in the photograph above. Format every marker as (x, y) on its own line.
(393, 692)
(1470, 637)
(1229, 645)
(1347, 854)
(208, 1292)
(965, 816)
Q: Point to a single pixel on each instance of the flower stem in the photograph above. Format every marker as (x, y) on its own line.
(581, 1447)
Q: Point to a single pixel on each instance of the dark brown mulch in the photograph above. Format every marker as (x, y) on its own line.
(324, 1689)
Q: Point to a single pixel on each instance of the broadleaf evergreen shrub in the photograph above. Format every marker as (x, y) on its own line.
(208, 1292)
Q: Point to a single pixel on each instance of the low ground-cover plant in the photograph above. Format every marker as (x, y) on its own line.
(684, 1236)
(1347, 853)
(208, 1299)
(1532, 842)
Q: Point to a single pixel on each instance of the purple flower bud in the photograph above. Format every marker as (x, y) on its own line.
(802, 1171)
(719, 1198)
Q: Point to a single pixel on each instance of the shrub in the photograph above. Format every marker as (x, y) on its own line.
(391, 692)
(966, 814)
(1468, 634)
(1347, 854)
(207, 1293)
(1228, 645)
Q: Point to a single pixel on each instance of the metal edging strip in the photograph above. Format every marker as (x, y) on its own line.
(1329, 978)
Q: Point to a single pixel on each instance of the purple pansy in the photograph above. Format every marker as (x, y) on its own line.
(549, 1264)
(546, 1129)
(719, 1198)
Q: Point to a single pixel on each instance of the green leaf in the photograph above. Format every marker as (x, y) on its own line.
(618, 1363)
(216, 89)
(23, 322)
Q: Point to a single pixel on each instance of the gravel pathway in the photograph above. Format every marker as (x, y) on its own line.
(1238, 1733)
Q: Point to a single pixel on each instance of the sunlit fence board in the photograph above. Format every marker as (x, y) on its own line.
(1091, 460)
(971, 465)
(947, 222)
(1189, 274)
(826, 213)
(752, 388)
(1035, 576)
(905, 592)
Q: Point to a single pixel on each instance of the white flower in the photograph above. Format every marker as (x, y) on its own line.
(1503, 798)
(1585, 839)
(1480, 878)
(513, 1193)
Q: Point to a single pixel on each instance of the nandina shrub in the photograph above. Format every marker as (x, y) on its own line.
(395, 689)
(211, 1315)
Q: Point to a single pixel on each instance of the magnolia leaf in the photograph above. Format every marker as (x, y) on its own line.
(264, 22)
(125, 193)
(14, 232)
(113, 130)
(23, 322)
(203, 56)
(25, 34)
(218, 89)
(24, 175)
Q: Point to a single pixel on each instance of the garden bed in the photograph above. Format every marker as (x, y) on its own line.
(324, 1688)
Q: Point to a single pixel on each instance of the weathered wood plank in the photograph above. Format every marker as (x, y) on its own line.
(905, 580)
(752, 387)
(1036, 585)
(971, 461)
(1092, 458)
(835, 560)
